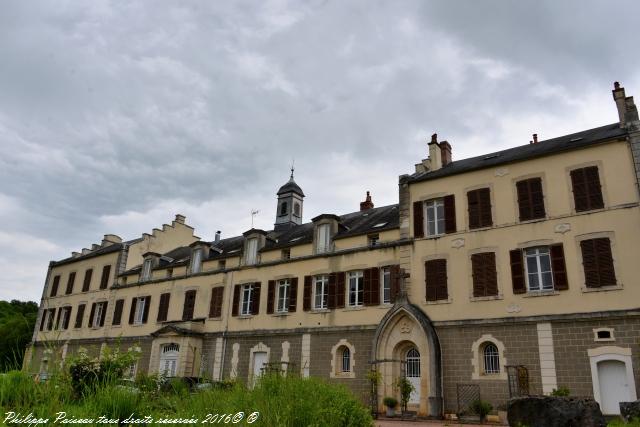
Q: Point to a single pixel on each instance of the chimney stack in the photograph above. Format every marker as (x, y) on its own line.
(435, 153)
(445, 151)
(217, 236)
(627, 110)
(535, 138)
(367, 204)
(180, 218)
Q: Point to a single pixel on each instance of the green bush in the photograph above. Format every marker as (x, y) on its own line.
(561, 392)
(481, 408)
(390, 402)
(619, 423)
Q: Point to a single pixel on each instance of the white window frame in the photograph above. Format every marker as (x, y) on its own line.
(97, 317)
(196, 261)
(490, 360)
(146, 270)
(323, 282)
(282, 296)
(346, 359)
(385, 285)
(434, 213)
(138, 316)
(323, 240)
(356, 278)
(537, 252)
(251, 257)
(246, 299)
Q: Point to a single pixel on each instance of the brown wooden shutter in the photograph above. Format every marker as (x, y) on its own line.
(517, 271)
(42, 319)
(147, 305)
(52, 315)
(307, 294)
(332, 290)
(55, 285)
(473, 204)
(418, 219)
(558, 268)
(293, 295)
(436, 279)
(449, 214)
(597, 260)
(484, 202)
(72, 279)
(236, 300)
(80, 316)
(104, 280)
(375, 285)
(366, 284)
(87, 280)
(163, 308)
(396, 282)
(484, 274)
(340, 289)
(215, 309)
(117, 312)
(132, 312)
(104, 313)
(58, 318)
(530, 199)
(92, 314)
(65, 325)
(594, 190)
(255, 299)
(271, 296)
(189, 305)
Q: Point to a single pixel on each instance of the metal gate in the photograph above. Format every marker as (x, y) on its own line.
(518, 380)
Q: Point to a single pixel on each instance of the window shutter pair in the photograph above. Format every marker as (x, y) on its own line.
(479, 204)
(371, 286)
(55, 285)
(485, 282)
(558, 269)
(189, 305)
(336, 290)
(436, 280)
(117, 312)
(80, 315)
(104, 280)
(215, 308)
(255, 298)
(396, 282)
(597, 261)
(587, 192)
(72, 279)
(307, 293)
(87, 280)
(530, 199)
(449, 216)
(163, 309)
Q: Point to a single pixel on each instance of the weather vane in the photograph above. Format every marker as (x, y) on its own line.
(293, 162)
(254, 212)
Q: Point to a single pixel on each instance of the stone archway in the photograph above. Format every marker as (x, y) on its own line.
(403, 328)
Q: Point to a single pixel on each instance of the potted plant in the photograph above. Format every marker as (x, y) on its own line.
(481, 408)
(391, 403)
(405, 388)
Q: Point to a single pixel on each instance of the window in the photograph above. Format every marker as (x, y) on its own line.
(296, 209)
(356, 288)
(485, 282)
(215, 308)
(538, 268)
(283, 209)
(117, 312)
(597, 261)
(491, 359)
(245, 308)
(436, 280)
(139, 312)
(320, 292)
(283, 296)
(373, 239)
(196, 261)
(479, 204)
(413, 363)
(163, 309)
(104, 280)
(286, 254)
(587, 192)
(189, 305)
(64, 315)
(252, 251)
(50, 315)
(323, 241)
(55, 285)
(169, 273)
(222, 264)
(146, 270)
(98, 314)
(346, 359)
(72, 278)
(435, 216)
(86, 283)
(385, 279)
(80, 316)
(530, 199)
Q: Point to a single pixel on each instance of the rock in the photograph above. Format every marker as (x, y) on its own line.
(549, 411)
(630, 410)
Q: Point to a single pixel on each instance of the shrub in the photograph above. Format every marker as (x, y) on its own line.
(481, 408)
(390, 402)
(560, 392)
(405, 388)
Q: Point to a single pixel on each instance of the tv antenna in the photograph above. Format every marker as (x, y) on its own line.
(254, 212)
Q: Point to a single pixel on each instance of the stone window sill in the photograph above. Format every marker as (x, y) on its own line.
(245, 316)
(319, 311)
(354, 308)
(617, 287)
(487, 298)
(534, 294)
(442, 301)
(385, 305)
(281, 314)
(215, 319)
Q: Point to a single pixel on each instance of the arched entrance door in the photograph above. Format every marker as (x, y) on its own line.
(413, 374)
(169, 359)
(614, 385)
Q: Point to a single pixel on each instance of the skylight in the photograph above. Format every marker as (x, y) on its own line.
(234, 251)
(380, 224)
(295, 239)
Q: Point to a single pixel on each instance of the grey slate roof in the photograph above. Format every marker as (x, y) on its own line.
(290, 186)
(102, 251)
(525, 152)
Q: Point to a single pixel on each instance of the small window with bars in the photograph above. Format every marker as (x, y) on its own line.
(346, 359)
(491, 359)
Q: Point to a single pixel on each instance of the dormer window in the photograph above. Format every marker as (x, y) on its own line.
(251, 257)
(196, 261)
(323, 240)
(146, 270)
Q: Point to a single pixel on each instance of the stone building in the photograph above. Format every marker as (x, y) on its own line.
(520, 261)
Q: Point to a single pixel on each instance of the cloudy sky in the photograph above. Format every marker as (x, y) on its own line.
(115, 116)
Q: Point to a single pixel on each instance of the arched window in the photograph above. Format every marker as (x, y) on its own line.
(491, 359)
(346, 360)
(283, 208)
(413, 363)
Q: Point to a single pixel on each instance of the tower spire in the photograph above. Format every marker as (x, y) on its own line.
(293, 162)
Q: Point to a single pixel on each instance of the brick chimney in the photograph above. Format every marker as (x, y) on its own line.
(627, 110)
(445, 151)
(435, 153)
(367, 204)
(180, 218)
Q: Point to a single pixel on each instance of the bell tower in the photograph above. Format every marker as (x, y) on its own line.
(289, 209)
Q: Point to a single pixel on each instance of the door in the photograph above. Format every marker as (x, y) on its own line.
(413, 375)
(259, 360)
(169, 360)
(614, 387)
